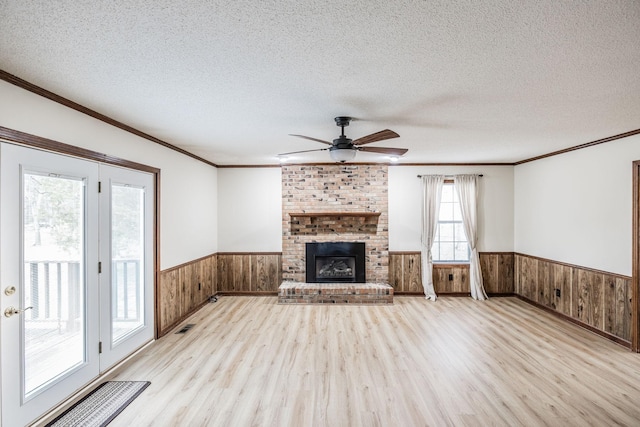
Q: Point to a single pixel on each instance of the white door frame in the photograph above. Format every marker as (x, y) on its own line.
(635, 263)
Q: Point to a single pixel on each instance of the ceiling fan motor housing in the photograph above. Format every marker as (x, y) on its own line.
(342, 143)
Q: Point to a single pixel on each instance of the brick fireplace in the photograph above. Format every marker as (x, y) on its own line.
(335, 203)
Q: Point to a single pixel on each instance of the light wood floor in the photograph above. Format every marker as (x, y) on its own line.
(456, 362)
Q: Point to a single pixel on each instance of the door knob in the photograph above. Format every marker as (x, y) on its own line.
(10, 311)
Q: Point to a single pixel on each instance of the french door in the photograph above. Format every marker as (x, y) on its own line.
(76, 281)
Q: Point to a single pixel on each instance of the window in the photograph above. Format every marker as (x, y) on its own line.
(450, 244)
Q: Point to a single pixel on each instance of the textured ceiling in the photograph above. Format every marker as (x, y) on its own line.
(460, 81)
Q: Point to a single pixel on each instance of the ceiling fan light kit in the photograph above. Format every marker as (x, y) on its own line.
(342, 154)
(344, 149)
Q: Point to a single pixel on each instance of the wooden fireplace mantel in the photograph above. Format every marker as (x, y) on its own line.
(326, 214)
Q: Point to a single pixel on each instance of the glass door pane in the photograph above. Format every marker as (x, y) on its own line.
(126, 253)
(53, 279)
(127, 260)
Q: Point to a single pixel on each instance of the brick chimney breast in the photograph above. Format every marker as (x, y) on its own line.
(335, 203)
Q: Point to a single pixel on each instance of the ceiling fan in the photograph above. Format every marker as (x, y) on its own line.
(344, 149)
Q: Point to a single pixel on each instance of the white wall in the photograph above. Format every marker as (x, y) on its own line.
(577, 207)
(250, 209)
(495, 213)
(188, 201)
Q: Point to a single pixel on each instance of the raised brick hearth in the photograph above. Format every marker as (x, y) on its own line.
(334, 293)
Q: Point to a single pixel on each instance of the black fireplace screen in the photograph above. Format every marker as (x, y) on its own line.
(335, 262)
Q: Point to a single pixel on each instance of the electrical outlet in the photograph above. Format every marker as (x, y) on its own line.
(199, 286)
(558, 293)
(450, 277)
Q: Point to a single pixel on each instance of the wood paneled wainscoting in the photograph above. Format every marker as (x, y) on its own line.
(597, 300)
(249, 273)
(451, 279)
(183, 290)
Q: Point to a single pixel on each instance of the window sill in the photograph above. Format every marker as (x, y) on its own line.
(450, 264)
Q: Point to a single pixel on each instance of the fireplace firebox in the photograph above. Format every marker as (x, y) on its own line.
(335, 262)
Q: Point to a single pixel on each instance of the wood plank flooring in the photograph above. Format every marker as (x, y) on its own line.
(456, 362)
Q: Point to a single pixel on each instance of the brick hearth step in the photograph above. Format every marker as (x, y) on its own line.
(334, 293)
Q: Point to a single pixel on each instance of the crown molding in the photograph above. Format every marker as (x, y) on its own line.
(17, 81)
(581, 146)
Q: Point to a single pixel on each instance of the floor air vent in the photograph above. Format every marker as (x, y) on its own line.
(186, 328)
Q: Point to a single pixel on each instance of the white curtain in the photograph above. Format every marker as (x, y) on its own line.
(467, 188)
(431, 191)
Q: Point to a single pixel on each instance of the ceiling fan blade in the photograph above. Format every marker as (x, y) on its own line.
(312, 139)
(384, 150)
(378, 136)
(303, 151)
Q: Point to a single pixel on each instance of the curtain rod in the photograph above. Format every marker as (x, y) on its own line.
(452, 176)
